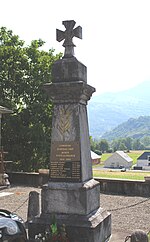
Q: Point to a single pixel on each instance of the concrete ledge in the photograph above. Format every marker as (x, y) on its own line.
(147, 178)
(110, 186)
(124, 187)
(28, 178)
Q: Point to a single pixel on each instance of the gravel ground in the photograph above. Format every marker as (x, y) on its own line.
(18, 201)
(128, 213)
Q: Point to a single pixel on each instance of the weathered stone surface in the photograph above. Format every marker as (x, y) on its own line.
(94, 227)
(33, 205)
(68, 70)
(71, 92)
(72, 198)
(68, 35)
(70, 124)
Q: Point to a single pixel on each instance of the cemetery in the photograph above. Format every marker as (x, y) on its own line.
(64, 204)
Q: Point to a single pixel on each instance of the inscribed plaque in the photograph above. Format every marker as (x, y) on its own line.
(65, 161)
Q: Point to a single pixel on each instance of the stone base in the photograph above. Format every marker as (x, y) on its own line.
(70, 198)
(95, 227)
(77, 206)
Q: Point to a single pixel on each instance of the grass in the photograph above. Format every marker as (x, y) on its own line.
(134, 154)
(120, 175)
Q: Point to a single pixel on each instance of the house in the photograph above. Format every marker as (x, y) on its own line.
(144, 161)
(119, 159)
(95, 158)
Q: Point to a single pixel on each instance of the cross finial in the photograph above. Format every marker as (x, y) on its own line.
(68, 35)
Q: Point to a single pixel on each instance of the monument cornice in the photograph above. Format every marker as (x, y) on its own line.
(71, 92)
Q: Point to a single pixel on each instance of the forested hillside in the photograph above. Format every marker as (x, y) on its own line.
(136, 128)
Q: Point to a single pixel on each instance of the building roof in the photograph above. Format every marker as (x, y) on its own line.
(94, 155)
(5, 110)
(144, 155)
(124, 155)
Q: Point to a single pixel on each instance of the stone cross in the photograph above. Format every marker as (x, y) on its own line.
(68, 35)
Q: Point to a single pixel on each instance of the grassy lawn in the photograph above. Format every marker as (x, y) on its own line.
(120, 175)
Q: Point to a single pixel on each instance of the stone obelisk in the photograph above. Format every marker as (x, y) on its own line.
(72, 195)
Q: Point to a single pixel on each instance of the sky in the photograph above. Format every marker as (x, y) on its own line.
(116, 35)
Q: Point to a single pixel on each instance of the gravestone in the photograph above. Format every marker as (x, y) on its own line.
(72, 195)
(33, 205)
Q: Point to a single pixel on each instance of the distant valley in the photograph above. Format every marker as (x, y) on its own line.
(108, 110)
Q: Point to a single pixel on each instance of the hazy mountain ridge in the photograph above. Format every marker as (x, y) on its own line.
(134, 128)
(108, 110)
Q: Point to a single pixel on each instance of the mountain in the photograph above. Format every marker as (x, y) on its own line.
(134, 128)
(108, 110)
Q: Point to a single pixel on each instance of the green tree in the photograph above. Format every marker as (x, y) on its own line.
(103, 145)
(24, 69)
(115, 144)
(128, 142)
(137, 145)
(146, 141)
(122, 146)
(92, 143)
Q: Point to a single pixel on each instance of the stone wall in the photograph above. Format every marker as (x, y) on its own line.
(28, 179)
(125, 187)
(110, 186)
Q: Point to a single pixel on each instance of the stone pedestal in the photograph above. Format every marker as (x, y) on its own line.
(71, 195)
(72, 198)
(77, 206)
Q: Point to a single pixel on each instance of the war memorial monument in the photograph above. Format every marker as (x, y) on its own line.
(71, 194)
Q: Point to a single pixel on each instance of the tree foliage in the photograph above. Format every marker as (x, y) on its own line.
(146, 141)
(137, 145)
(127, 144)
(99, 147)
(136, 128)
(23, 71)
(124, 144)
(103, 145)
